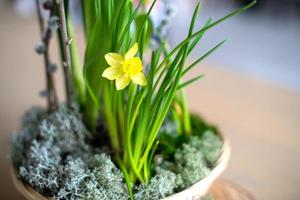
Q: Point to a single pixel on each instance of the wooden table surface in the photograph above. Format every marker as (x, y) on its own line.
(223, 189)
(261, 119)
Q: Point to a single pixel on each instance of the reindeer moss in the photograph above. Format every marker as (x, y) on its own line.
(193, 160)
(161, 185)
(53, 154)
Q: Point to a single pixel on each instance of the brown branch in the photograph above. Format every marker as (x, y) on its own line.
(46, 36)
(66, 54)
(40, 18)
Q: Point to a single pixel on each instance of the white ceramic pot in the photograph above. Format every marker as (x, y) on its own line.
(201, 188)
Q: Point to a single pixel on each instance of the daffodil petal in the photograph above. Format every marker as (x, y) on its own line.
(139, 79)
(122, 81)
(131, 52)
(112, 73)
(114, 59)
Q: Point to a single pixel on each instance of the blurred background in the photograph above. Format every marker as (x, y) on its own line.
(251, 88)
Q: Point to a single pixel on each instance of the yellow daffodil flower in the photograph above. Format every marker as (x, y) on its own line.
(124, 69)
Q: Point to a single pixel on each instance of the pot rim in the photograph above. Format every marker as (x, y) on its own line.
(201, 187)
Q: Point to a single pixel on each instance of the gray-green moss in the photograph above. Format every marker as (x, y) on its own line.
(161, 185)
(193, 161)
(98, 179)
(53, 154)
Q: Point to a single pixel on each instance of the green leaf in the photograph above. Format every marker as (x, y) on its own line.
(196, 34)
(90, 12)
(146, 18)
(126, 177)
(139, 25)
(199, 37)
(93, 67)
(202, 58)
(183, 85)
(128, 24)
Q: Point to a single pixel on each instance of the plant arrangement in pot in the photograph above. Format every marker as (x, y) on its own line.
(125, 130)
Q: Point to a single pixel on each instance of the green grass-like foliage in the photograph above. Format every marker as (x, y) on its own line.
(135, 115)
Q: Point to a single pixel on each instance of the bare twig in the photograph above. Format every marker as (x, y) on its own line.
(40, 18)
(46, 36)
(66, 54)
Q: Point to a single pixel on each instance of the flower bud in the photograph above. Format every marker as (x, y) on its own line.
(43, 93)
(47, 4)
(53, 23)
(40, 48)
(52, 68)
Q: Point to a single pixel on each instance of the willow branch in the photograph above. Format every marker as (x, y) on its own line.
(40, 18)
(66, 54)
(46, 36)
